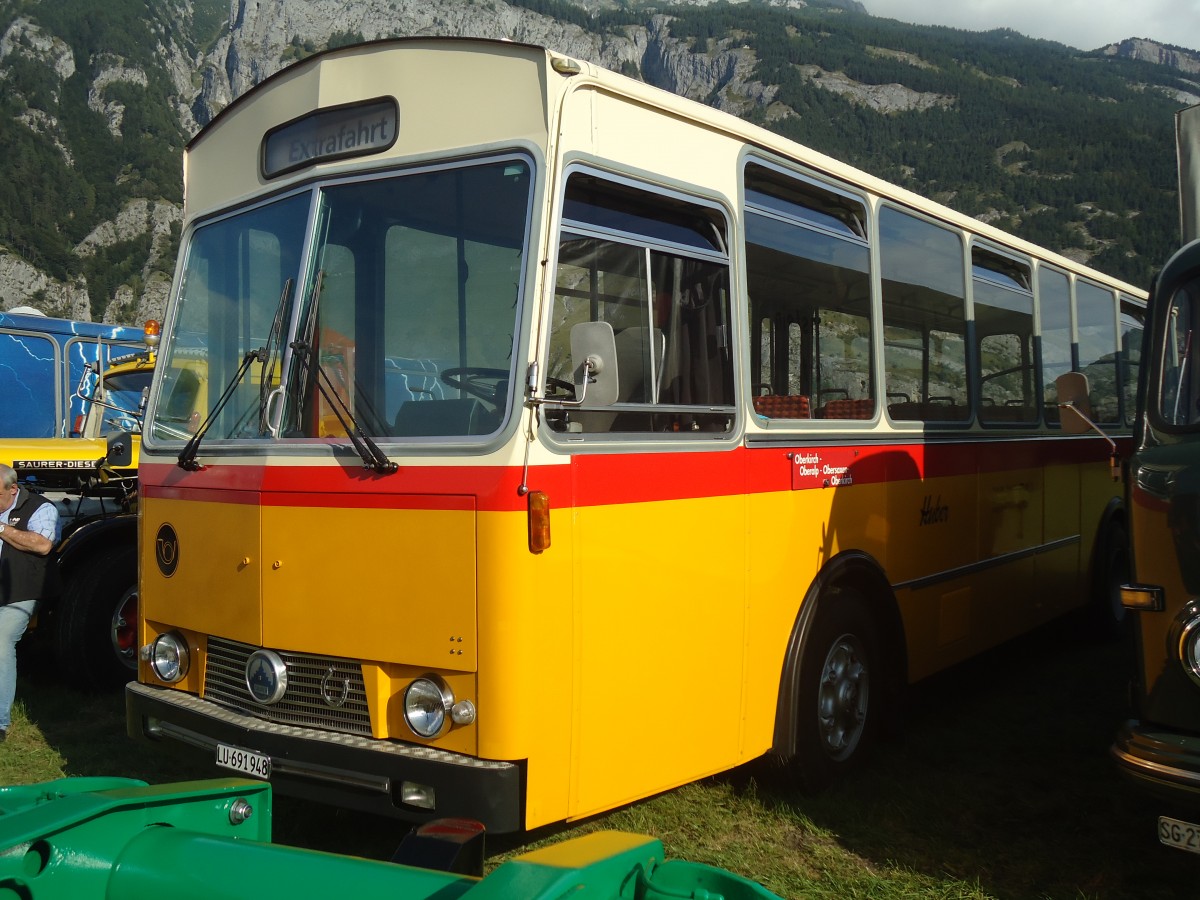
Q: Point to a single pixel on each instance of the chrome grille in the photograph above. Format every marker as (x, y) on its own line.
(303, 703)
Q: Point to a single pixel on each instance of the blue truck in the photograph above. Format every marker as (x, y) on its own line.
(43, 361)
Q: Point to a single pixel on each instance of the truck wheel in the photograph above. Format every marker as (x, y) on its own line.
(97, 621)
(841, 692)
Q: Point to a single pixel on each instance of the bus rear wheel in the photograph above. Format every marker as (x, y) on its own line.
(97, 621)
(841, 692)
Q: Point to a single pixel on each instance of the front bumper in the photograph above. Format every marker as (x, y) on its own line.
(1165, 762)
(340, 769)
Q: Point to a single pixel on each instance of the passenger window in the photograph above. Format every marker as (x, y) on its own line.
(808, 273)
(1003, 300)
(1054, 299)
(924, 319)
(1096, 310)
(1132, 323)
(655, 270)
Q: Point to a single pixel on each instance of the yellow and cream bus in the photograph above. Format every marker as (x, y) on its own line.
(606, 441)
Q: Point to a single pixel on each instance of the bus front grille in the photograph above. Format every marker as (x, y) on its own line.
(322, 691)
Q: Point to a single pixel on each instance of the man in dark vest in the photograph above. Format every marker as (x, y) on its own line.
(28, 536)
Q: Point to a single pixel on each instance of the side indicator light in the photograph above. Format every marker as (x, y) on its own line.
(1146, 597)
(539, 521)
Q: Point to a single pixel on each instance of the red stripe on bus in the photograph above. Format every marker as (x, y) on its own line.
(599, 479)
(332, 500)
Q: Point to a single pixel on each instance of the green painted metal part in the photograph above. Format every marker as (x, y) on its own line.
(93, 838)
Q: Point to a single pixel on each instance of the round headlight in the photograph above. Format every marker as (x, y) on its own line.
(1189, 649)
(427, 703)
(1189, 645)
(169, 657)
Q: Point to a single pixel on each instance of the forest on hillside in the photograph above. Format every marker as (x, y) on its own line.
(1094, 159)
(1071, 150)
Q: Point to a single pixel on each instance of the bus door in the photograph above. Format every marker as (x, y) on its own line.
(659, 508)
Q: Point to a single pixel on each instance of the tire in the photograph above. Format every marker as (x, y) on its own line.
(96, 640)
(1110, 570)
(842, 692)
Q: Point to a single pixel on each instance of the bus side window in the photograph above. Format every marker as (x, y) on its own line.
(1132, 324)
(808, 273)
(924, 319)
(1002, 291)
(1096, 310)
(1054, 306)
(655, 268)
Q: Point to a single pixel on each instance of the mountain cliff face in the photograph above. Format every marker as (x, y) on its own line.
(1186, 61)
(99, 98)
(265, 35)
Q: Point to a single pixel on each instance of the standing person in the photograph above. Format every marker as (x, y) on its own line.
(28, 534)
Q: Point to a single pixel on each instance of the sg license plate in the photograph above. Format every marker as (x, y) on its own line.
(247, 762)
(1176, 833)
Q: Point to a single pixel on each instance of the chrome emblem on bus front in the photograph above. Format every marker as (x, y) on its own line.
(266, 677)
(335, 688)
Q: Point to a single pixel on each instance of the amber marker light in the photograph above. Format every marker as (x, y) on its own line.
(151, 332)
(1146, 597)
(539, 521)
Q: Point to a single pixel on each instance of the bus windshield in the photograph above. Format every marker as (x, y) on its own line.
(404, 325)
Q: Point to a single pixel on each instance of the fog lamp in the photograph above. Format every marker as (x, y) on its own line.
(463, 712)
(421, 796)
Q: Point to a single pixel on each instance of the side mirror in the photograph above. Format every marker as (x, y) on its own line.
(120, 451)
(1075, 398)
(594, 356)
(1075, 404)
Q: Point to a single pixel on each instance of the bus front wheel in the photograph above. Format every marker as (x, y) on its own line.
(97, 620)
(841, 692)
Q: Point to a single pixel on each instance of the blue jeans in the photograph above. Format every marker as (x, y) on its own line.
(13, 620)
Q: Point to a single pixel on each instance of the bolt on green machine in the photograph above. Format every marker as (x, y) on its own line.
(93, 838)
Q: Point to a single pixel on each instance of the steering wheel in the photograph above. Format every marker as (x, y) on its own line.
(471, 378)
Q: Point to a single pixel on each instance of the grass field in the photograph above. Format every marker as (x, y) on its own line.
(1000, 787)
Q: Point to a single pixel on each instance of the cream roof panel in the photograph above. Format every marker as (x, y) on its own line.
(451, 94)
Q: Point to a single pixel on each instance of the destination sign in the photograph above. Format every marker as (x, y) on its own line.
(335, 133)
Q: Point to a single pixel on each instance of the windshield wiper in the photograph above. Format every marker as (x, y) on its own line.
(187, 456)
(268, 355)
(373, 458)
(264, 354)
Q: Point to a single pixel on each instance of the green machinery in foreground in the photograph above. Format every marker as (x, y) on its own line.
(92, 838)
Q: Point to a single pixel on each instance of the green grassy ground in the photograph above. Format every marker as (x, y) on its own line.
(1000, 787)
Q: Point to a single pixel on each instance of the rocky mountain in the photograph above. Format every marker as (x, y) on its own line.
(1186, 61)
(1073, 150)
